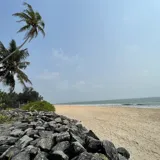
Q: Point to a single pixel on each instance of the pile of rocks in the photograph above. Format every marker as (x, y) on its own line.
(48, 136)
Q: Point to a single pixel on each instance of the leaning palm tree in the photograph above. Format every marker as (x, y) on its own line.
(13, 66)
(33, 25)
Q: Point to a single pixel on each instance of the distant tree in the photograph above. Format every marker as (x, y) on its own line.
(13, 66)
(33, 24)
(8, 100)
(29, 95)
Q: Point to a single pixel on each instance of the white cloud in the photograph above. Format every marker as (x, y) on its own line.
(62, 58)
(47, 75)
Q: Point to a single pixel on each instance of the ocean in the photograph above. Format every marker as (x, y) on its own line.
(153, 102)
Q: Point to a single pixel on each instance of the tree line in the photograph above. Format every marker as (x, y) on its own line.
(15, 100)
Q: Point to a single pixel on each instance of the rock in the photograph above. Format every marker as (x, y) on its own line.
(24, 141)
(31, 132)
(40, 128)
(110, 150)
(92, 134)
(46, 143)
(65, 122)
(22, 126)
(32, 150)
(62, 128)
(77, 138)
(58, 120)
(99, 156)
(7, 140)
(123, 152)
(40, 156)
(120, 157)
(61, 146)
(22, 156)
(93, 145)
(85, 156)
(45, 133)
(77, 148)
(17, 133)
(52, 123)
(3, 148)
(59, 155)
(63, 137)
(10, 152)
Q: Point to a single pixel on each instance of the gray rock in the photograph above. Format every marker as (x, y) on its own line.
(17, 133)
(45, 133)
(58, 120)
(3, 148)
(32, 150)
(62, 146)
(40, 156)
(40, 128)
(123, 152)
(34, 143)
(92, 134)
(24, 141)
(52, 123)
(63, 137)
(65, 122)
(22, 126)
(59, 155)
(74, 138)
(31, 132)
(10, 152)
(22, 156)
(7, 140)
(77, 148)
(62, 128)
(110, 150)
(85, 156)
(99, 156)
(93, 145)
(120, 157)
(46, 143)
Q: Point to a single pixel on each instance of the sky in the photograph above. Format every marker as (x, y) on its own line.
(93, 49)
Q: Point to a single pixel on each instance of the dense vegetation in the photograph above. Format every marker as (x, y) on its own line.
(15, 100)
(39, 106)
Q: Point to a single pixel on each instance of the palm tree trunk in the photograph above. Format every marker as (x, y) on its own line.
(1, 79)
(14, 51)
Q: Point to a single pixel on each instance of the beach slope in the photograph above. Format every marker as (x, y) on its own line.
(138, 130)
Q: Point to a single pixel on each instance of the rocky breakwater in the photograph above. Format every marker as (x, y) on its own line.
(48, 136)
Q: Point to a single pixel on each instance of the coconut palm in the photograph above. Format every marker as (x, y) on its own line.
(13, 67)
(33, 25)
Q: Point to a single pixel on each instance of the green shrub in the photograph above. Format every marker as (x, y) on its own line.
(4, 118)
(39, 106)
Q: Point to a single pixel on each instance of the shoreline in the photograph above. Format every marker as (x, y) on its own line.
(111, 106)
(136, 129)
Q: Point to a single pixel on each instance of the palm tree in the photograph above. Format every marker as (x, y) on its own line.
(13, 66)
(33, 25)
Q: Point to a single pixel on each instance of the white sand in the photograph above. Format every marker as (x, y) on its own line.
(138, 130)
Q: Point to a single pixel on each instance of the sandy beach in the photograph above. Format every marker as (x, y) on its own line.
(138, 130)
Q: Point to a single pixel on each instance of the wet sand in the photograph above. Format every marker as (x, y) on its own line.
(138, 130)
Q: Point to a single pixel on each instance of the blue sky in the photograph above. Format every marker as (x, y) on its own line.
(93, 49)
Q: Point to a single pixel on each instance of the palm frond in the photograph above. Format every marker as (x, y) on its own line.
(22, 77)
(9, 81)
(40, 29)
(42, 24)
(21, 15)
(23, 65)
(28, 6)
(24, 28)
